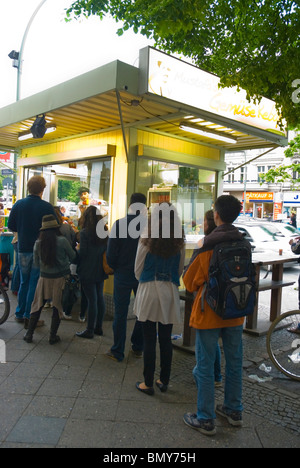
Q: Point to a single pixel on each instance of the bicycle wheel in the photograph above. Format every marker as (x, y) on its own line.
(283, 346)
(4, 305)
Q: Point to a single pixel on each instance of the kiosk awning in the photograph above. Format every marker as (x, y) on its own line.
(88, 104)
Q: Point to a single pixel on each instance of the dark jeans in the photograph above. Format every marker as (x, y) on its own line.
(122, 292)
(95, 304)
(83, 304)
(299, 291)
(16, 278)
(29, 278)
(166, 351)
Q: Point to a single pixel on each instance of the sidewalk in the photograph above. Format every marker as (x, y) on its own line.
(71, 395)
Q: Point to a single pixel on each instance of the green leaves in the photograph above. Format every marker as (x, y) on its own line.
(251, 44)
(287, 172)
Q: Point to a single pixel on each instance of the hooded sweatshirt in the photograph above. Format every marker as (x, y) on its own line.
(197, 275)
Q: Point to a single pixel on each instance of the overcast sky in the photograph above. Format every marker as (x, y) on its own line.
(56, 51)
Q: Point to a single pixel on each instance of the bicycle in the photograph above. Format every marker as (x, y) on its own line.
(4, 305)
(286, 356)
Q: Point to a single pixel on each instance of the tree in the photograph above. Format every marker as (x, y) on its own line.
(68, 190)
(289, 172)
(252, 44)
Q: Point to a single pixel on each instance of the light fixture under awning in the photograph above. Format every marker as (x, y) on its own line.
(28, 135)
(207, 133)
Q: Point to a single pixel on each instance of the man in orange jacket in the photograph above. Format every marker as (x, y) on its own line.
(209, 327)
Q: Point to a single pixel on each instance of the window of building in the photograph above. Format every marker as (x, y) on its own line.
(230, 176)
(243, 174)
(65, 180)
(260, 173)
(296, 174)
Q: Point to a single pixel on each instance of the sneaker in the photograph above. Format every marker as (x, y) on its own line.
(205, 426)
(81, 319)
(66, 316)
(19, 320)
(233, 417)
(294, 330)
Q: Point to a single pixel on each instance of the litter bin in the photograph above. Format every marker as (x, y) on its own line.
(7, 247)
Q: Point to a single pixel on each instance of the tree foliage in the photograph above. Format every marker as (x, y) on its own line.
(290, 171)
(252, 44)
(68, 190)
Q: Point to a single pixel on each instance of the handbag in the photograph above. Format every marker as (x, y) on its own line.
(106, 267)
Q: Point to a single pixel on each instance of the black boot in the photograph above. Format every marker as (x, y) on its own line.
(34, 318)
(53, 329)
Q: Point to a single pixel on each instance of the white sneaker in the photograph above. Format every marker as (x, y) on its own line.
(82, 320)
(67, 317)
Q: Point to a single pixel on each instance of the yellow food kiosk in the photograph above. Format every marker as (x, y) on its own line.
(161, 128)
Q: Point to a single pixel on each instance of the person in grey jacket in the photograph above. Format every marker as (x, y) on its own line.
(91, 273)
(52, 255)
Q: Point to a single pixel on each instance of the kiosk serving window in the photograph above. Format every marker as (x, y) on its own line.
(65, 181)
(190, 189)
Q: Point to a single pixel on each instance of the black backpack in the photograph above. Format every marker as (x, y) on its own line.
(231, 287)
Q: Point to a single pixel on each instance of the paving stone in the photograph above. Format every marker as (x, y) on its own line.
(37, 430)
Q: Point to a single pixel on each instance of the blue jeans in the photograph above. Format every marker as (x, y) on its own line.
(93, 293)
(122, 291)
(205, 349)
(218, 375)
(29, 277)
(15, 280)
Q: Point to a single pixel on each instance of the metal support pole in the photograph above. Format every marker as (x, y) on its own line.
(253, 159)
(122, 124)
(22, 47)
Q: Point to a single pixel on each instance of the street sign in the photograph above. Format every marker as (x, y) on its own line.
(7, 182)
(7, 171)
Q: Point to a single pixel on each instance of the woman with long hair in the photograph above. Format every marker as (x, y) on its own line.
(90, 271)
(53, 255)
(158, 267)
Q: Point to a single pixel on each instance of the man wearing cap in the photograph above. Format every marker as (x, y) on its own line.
(26, 219)
(84, 194)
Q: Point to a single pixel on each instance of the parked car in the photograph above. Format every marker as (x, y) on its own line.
(281, 232)
(262, 240)
(286, 230)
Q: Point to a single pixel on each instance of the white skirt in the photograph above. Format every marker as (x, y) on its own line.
(157, 301)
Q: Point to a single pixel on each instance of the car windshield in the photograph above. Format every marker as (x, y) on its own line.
(274, 231)
(256, 233)
(291, 230)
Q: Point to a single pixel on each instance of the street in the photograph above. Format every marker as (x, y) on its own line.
(289, 293)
